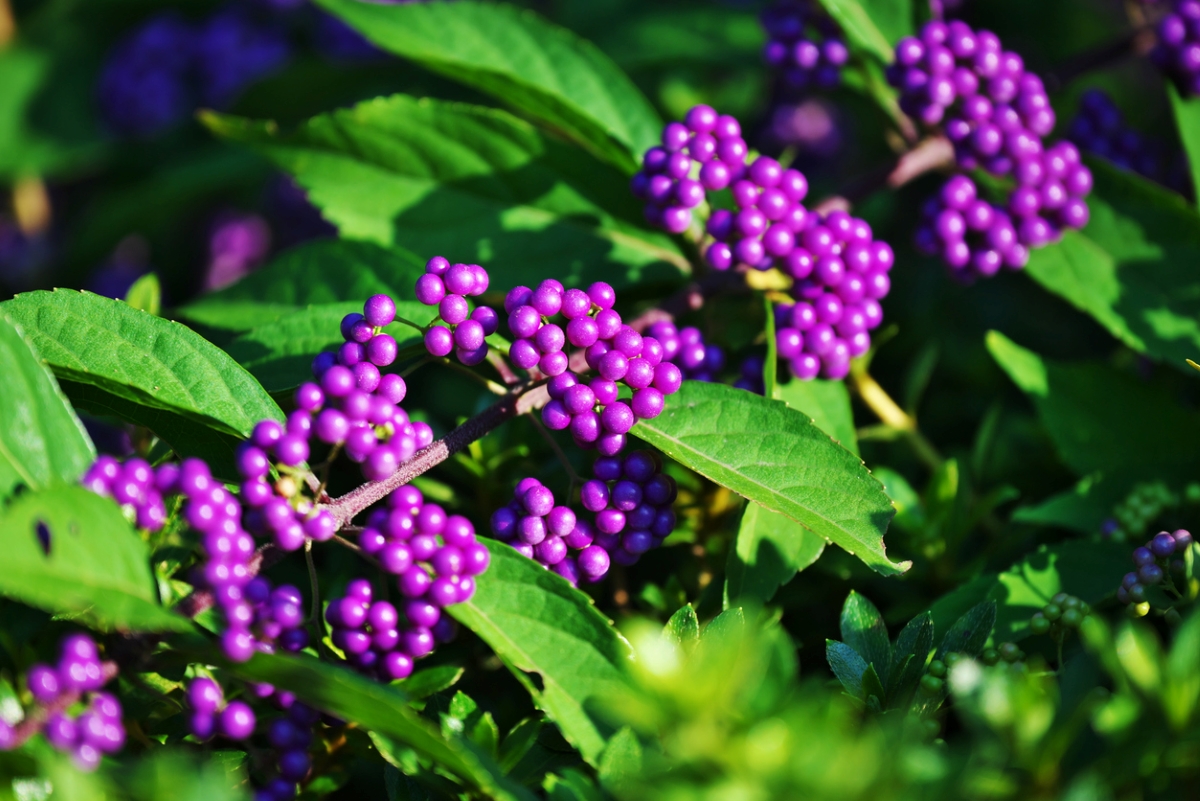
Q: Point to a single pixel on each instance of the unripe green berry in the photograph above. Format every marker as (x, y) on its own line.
(1038, 624)
(1072, 618)
(1051, 612)
(1084, 609)
(1172, 616)
(989, 656)
(951, 659)
(1071, 603)
(1059, 598)
(931, 728)
(1139, 610)
(931, 685)
(937, 668)
(1009, 651)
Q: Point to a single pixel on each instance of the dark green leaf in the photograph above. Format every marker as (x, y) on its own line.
(775, 456)
(470, 183)
(69, 551)
(912, 648)
(1187, 122)
(697, 34)
(538, 623)
(828, 404)
(1133, 267)
(316, 273)
(858, 23)
(141, 358)
(425, 683)
(847, 665)
(863, 630)
(544, 71)
(383, 710)
(684, 628)
(1100, 418)
(519, 741)
(970, 632)
(872, 687)
(42, 442)
(770, 549)
(280, 354)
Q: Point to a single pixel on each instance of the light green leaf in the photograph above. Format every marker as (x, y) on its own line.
(1133, 267)
(1100, 418)
(545, 72)
(770, 549)
(775, 456)
(828, 404)
(42, 442)
(141, 358)
(315, 273)
(1187, 122)
(683, 628)
(470, 183)
(538, 623)
(70, 551)
(858, 23)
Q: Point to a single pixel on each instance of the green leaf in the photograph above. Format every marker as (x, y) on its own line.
(70, 551)
(280, 354)
(1133, 267)
(538, 623)
(863, 630)
(775, 456)
(146, 294)
(771, 362)
(770, 549)
(847, 665)
(470, 183)
(381, 710)
(141, 358)
(621, 760)
(1100, 418)
(684, 628)
(544, 71)
(970, 632)
(913, 645)
(857, 20)
(42, 442)
(696, 34)
(315, 273)
(1187, 122)
(828, 404)
(872, 687)
(425, 683)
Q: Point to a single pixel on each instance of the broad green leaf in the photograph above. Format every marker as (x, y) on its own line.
(683, 628)
(621, 760)
(1100, 418)
(776, 457)
(1088, 570)
(970, 632)
(1084, 507)
(847, 665)
(1187, 122)
(857, 20)
(380, 709)
(828, 404)
(470, 183)
(42, 442)
(863, 629)
(315, 273)
(670, 36)
(1141, 657)
(280, 354)
(543, 71)
(771, 362)
(146, 294)
(1133, 267)
(538, 623)
(70, 551)
(770, 549)
(141, 358)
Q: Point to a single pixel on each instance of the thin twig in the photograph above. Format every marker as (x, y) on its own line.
(891, 415)
(312, 582)
(496, 359)
(492, 386)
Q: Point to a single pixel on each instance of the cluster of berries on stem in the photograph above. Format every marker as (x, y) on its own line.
(463, 331)
(1157, 561)
(804, 45)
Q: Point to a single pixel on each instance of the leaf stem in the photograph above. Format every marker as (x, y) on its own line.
(891, 415)
(411, 324)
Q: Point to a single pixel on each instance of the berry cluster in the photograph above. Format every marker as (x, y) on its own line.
(265, 618)
(447, 286)
(551, 535)
(751, 375)
(840, 275)
(1064, 612)
(632, 500)
(87, 736)
(211, 715)
(1177, 52)
(366, 349)
(1144, 504)
(996, 115)
(166, 67)
(1156, 560)
(1099, 128)
(618, 353)
(705, 152)
(769, 220)
(135, 485)
(805, 61)
(685, 348)
(290, 737)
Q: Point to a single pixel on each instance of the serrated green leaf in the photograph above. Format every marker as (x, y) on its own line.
(770, 549)
(279, 354)
(1187, 123)
(828, 404)
(42, 442)
(970, 632)
(70, 551)
(470, 183)
(1133, 267)
(538, 623)
(1101, 419)
(316, 273)
(775, 456)
(382, 710)
(859, 24)
(141, 358)
(532, 65)
(863, 630)
(146, 294)
(684, 628)
(847, 665)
